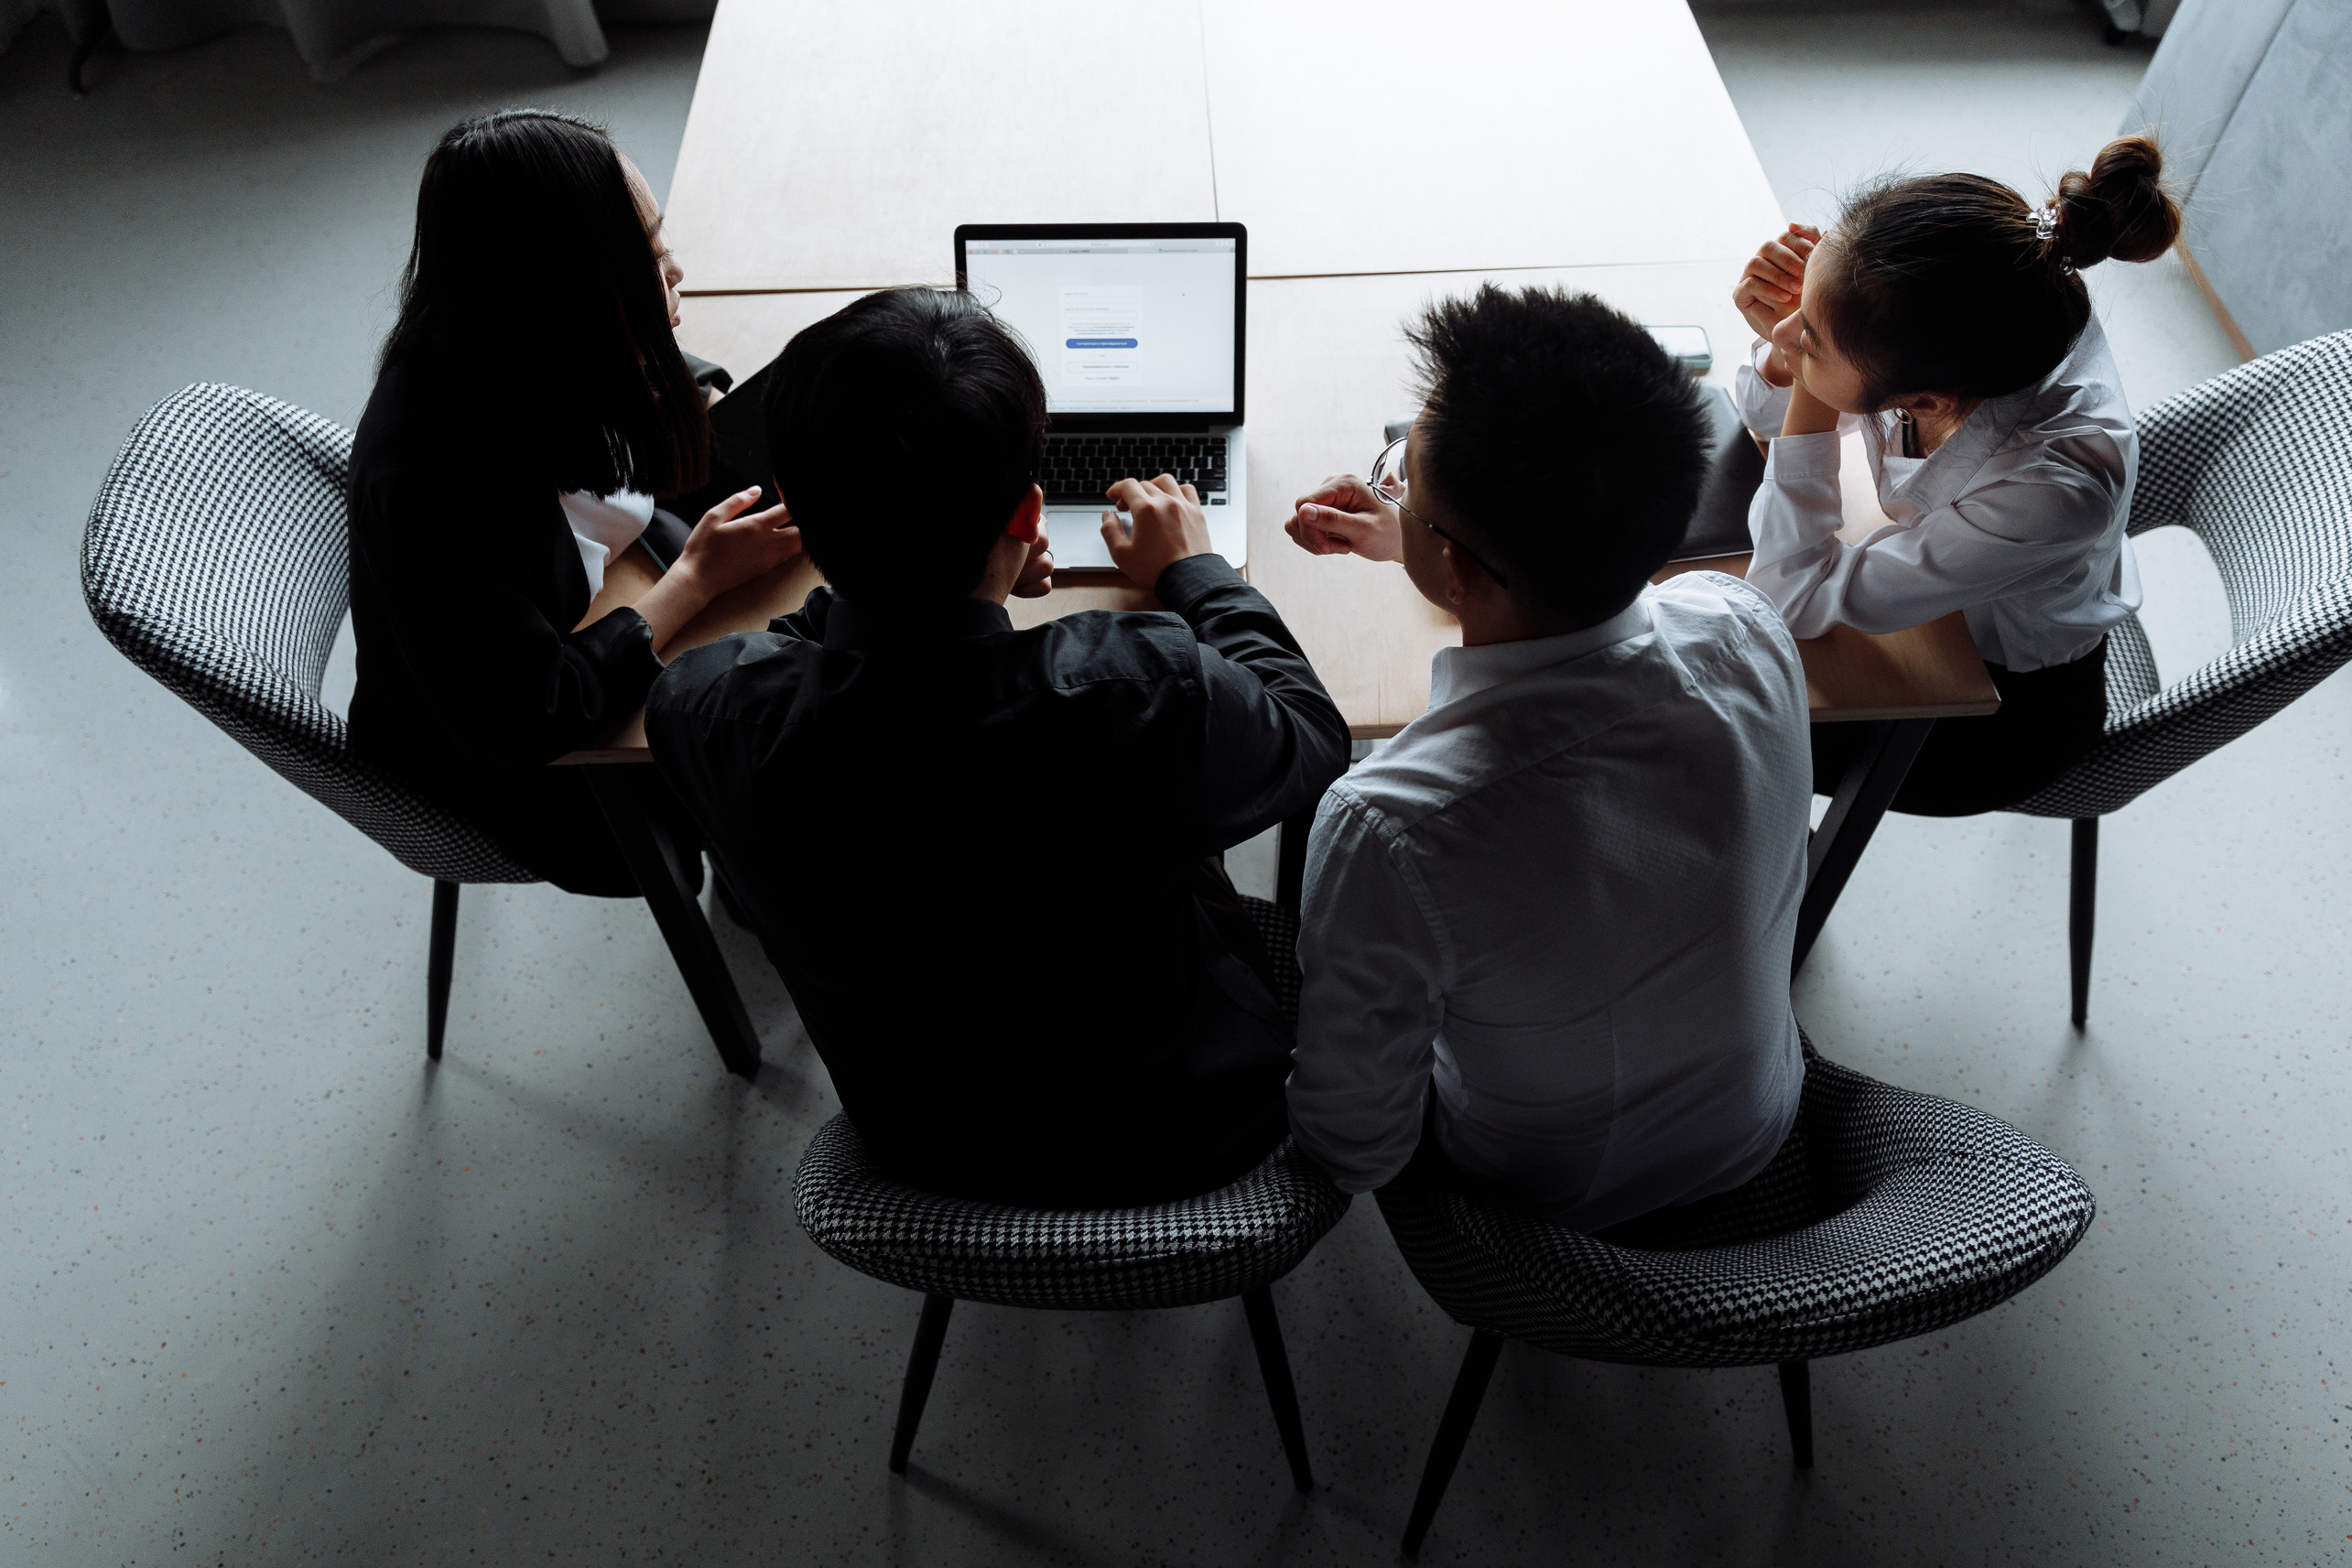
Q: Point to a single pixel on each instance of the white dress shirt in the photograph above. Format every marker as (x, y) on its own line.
(1568, 893)
(603, 526)
(2017, 518)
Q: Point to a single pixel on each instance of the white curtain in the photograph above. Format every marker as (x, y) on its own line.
(333, 36)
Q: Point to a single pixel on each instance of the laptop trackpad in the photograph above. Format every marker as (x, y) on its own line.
(1076, 536)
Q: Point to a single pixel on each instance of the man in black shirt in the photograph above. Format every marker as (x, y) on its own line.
(982, 859)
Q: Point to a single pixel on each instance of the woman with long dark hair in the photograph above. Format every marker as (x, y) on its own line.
(529, 406)
(1946, 318)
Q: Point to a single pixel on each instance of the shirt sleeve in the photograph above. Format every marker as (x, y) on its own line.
(2016, 534)
(1372, 1004)
(1764, 407)
(513, 690)
(807, 623)
(1275, 740)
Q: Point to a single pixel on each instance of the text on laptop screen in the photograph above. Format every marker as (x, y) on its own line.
(1117, 326)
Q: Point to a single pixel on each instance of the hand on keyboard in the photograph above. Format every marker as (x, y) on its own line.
(1169, 526)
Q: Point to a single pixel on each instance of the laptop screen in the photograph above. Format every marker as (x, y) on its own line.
(1118, 325)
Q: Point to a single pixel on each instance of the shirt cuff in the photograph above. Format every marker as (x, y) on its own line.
(621, 647)
(1793, 458)
(1183, 586)
(1762, 406)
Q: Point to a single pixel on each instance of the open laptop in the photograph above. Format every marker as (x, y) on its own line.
(1137, 332)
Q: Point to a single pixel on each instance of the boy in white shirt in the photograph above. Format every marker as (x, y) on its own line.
(1562, 902)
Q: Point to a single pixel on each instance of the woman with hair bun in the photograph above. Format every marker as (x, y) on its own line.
(1946, 318)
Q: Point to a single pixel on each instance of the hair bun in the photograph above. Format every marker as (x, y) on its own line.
(2119, 209)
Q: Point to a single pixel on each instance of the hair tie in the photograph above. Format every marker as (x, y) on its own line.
(2046, 221)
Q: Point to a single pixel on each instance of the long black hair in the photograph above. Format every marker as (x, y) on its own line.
(1952, 284)
(532, 268)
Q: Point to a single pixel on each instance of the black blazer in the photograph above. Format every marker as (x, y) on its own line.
(466, 584)
(976, 856)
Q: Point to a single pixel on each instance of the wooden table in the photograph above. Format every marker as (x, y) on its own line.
(835, 144)
(1899, 683)
(1378, 161)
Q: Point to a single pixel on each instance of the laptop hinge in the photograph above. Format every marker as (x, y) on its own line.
(1113, 424)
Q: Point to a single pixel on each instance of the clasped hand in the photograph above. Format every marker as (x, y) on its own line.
(1771, 286)
(1345, 516)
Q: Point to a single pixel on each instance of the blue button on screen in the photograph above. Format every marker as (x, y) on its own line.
(1099, 343)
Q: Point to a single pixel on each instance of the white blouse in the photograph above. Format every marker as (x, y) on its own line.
(603, 526)
(2017, 519)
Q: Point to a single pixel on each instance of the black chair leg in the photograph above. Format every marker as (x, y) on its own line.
(929, 1334)
(1796, 1398)
(438, 957)
(1855, 812)
(1274, 1365)
(1453, 1431)
(665, 876)
(2082, 904)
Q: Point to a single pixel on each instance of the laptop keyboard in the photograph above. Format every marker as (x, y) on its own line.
(1081, 468)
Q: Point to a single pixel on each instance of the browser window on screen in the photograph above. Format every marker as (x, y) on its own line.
(1117, 326)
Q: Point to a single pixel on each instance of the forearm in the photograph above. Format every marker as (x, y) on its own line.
(1793, 521)
(1808, 416)
(1228, 615)
(677, 597)
(1274, 740)
(1999, 542)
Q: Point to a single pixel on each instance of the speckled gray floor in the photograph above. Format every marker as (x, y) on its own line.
(271, 1291)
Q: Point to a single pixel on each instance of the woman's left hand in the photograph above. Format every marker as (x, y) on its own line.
(729, 547)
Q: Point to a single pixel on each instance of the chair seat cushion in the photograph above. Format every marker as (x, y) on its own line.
(1889, 1214)
(1172, 1254)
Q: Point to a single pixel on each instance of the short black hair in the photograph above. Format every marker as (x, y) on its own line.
(530, 257)
(905, 428)
(1563, 437)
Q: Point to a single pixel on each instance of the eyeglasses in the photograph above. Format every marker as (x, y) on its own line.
(1387, 480)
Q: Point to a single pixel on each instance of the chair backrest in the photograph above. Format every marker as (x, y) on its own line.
(2258, 463)
(217, 559)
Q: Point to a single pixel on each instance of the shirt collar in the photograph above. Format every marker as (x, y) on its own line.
(881, 623)
(1939, 478)
(1458, 673)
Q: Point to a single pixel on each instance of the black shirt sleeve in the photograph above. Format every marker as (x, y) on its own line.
(707, 374)
(1275, 740)
(807, 623)
(474, 645)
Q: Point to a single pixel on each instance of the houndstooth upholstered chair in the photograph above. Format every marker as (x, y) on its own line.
(1887, 1214)
(1235, 1241)
(217, 559)
(2257, 464)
